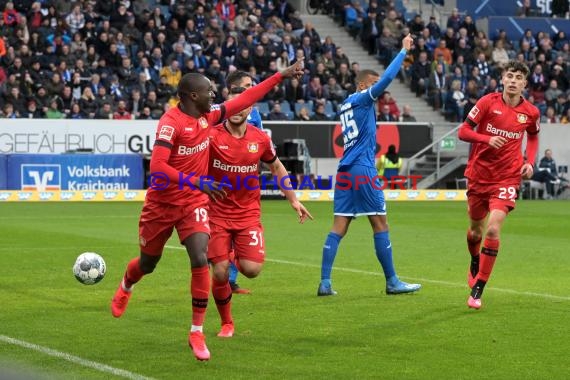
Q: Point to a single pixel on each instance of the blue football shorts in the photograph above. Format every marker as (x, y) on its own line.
(358, 191)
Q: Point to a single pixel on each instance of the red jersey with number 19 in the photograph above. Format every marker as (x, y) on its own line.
(493, 117)
(235, 161)
(188, 140)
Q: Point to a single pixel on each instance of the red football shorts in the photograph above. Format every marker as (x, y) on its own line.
(482, 198)
(157, 222)
(247, 243)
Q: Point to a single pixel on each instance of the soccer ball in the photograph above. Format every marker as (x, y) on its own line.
(89, 268)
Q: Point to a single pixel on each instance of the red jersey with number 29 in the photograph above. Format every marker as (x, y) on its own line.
(493, 117)
(188, 140)
(235, 162)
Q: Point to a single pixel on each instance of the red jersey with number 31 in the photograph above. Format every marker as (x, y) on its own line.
(493, 117)
(235, 161)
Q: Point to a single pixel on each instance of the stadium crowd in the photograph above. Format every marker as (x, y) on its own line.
(99, 59)
(453, 65)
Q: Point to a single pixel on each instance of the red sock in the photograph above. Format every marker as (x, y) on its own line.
(223, 296)
(488, 257)
(472, 244)
(200, 290)
(133, 273)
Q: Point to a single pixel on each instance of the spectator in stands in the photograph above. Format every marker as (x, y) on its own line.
(406, 115)
(53, 111)
(552, 92)
(528, 37)
(42, 98)
(386, 99)
(419, 47)
(104, 112)
(547, 173)
(340, 57)
(527, 51)
(320, 114)
(122, 113)
(371, 31)
(537, 87)
(472, 94)
(32, 111)
(294, 92)
(385, 114)
(434, 28)
(442, 50)
(454, 20)
(560, 8)
(345, 78)
(388, 46)
(87, 103)
(420, 74)
(549, 116)
(451, 37)
(431, 42)
(8, 112)
(526, 10)
(327, 60)
(314, 91)
(499, 57)
(455, 102)
(76, 112)
(275, 95)
(276, 113)
(437, 86)
(561, 106)
(469, 25)
(417, 25)
(333, 92)
(393, 23)
(493, 86)
(352, 18)
(172, 73)
(303, 114)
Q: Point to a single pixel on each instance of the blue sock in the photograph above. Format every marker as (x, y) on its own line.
(233, 273)
(383, 248)
(329, 253)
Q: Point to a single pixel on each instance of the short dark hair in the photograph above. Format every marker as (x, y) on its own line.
(363, 74)
(235, 77)
(515, 66)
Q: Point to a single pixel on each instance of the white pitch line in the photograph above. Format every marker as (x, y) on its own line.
(74, 359)
(440, 282)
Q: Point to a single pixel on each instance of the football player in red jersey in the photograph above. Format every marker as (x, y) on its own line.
(495, 168)
(178, 194)
(236, 150)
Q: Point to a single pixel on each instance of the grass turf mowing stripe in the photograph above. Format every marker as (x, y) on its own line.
(446, 283)
(74, 359)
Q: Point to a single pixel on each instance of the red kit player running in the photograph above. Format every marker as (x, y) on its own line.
(178, 195)
(236, 149)
(495, 167)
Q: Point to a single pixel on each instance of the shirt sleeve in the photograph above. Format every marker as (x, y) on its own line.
(534, 127)
(166, 133)
(268, 155)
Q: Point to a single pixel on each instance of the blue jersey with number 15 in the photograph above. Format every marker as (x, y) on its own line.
(358, 118)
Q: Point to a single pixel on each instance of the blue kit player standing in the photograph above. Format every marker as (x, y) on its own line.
(354, 194)
(237, 79)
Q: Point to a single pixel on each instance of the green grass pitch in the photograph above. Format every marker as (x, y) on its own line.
(57, 327)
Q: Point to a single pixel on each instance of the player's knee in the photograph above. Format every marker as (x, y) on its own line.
(476, 234)
(250, 270)
(493, 231)
(148, 263)
(220, 272)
